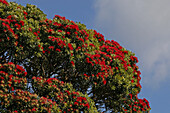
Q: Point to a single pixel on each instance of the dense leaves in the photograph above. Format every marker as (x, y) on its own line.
(65, 66)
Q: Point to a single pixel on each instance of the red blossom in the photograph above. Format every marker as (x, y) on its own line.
(58, 50)
(20, 68)
(68, 33)
(39, 46)
(92, 45)
(75, 103)
(9, 85)
(4, 2)
(87, 105)
(33, 109)
(51, 47)
(130, 96)
(15, 111)
(18, 26)
(104, 82)
(10, 76)
(9, 17)
(2, 78)
(12, 89)
(8, 38)
(87, 60)
(72, 63)
(59, 30)
(25, 13)
(22, 23)
(25, 73)
(81, 39)
(70, 46)
(132, 81)
(134, 109)
(30, 29)
(35, 34)
(57, 16)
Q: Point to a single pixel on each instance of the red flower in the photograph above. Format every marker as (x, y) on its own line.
(81, 39)
(25, 13)
(132, 81)
(15, 81)
(3, 24)
(51, 47)
(8, 38)
(87, 105)
(72, 63)
(68, 92)
(134, 109)
(75, 103)
(20, 68)
(9, 17)
(91, 45)
(86, 75)
(18, 26)
(10, 76)
(68, 33)
(39, 46)
(104, 82)
(87, 60)
(16, 43)
(59, 30)
(33, 109)
(30, 29)
(130, 96)
(9, 85)
(4, 2)
(116, 68)
(58, 16)
(35, 34)
(22, 23)
(25, 73)
(2, 78)
(33, 77)
(58, 50)
(70, 46)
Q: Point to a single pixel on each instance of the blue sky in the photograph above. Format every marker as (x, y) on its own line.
(142, 26)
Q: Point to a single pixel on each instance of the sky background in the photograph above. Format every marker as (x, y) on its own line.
(142, 26)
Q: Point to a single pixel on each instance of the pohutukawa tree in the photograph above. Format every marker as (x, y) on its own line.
(57, 65)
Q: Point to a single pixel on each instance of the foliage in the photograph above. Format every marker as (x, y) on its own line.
(69, 68)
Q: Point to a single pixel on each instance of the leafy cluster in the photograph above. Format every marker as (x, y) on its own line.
(69, 68)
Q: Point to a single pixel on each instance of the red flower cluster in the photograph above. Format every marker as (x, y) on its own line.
(99, 36)
(11, 80)
(4, 2)
(61, 94)
(138, 105)
(70, 46)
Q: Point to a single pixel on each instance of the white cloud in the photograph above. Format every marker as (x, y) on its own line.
(142, 26)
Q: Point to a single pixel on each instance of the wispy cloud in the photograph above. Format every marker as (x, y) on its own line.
(142, 26)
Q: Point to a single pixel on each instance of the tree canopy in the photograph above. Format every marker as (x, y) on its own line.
(57, 65)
